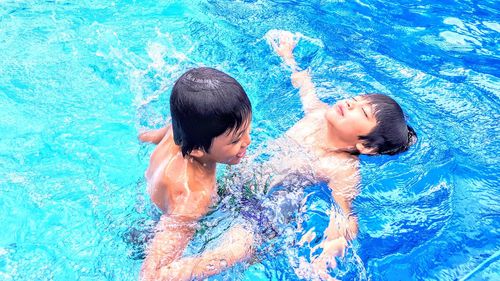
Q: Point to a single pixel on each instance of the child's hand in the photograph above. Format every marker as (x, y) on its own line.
(286, 45)
(326, 260)
(283, 42)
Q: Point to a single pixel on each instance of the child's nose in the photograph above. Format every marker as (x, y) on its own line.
(349, 104)
(247, 139)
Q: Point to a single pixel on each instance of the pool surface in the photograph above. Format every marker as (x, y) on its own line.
(80, 79)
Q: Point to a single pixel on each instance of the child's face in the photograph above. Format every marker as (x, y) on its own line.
(351, 118)
(230, 147)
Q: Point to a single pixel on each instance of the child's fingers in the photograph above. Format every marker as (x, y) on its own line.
(308, 237)
(286, 38)
(273, 43)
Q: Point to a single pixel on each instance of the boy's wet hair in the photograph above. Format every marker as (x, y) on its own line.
(205, 103)
(391, 135)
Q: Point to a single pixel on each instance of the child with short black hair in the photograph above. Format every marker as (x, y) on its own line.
(211, 117)
(321, 147)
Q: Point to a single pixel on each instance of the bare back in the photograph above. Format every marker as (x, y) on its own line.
(178, 186)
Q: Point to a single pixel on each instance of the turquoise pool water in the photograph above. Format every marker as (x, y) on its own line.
(79, 79)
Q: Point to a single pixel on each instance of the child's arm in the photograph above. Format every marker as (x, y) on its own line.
(344, 185)
(154, 136)
(300, 79)
(310, 101)
(235, 246)
(344, 189)
(172, 236)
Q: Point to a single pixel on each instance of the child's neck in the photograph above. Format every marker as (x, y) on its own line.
(203, 164)
(330, 142)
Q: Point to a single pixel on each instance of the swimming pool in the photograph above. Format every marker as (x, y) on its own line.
(78, 79)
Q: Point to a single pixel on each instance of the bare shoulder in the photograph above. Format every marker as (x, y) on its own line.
(307, 126)
(189, 190)
(336, 164)
(165, 173)
(342, 174)
(163, 153)
(167, 133)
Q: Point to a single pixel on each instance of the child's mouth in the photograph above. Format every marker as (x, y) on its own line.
(340, 109)
(241, 154)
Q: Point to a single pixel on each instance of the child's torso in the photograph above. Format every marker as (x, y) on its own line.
(306, 134)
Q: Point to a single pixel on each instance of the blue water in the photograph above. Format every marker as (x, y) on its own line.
(79, 79)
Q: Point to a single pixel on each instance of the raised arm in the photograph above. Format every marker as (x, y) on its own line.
(310, 101)
(284, 46)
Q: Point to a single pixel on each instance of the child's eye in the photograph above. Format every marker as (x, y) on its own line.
(236, 141)
(365, 112)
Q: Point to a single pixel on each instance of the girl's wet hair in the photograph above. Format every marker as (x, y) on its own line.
(205, 103)
(391, 135)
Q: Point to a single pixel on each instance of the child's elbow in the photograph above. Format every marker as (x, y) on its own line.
(144, 137)
(353, 228)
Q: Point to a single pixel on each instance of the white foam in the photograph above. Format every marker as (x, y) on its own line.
(274, 34)
(492, 25)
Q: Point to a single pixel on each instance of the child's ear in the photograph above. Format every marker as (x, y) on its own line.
(366, 150)
(197, 153)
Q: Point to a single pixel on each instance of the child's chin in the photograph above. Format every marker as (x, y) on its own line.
(234, 161)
